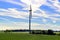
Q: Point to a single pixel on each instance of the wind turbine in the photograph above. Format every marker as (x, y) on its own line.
(30, 17)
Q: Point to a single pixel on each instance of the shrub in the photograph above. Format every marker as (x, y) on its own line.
(50, 32)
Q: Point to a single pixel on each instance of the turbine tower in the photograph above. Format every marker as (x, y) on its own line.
(30, 17)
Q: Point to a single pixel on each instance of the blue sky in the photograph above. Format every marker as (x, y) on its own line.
(14, 14)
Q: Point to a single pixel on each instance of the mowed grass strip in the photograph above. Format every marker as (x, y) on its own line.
(27, 36)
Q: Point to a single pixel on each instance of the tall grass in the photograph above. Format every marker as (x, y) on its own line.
(26, 36)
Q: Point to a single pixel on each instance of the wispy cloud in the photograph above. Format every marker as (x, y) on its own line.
(13, 13)
(25, 15)
(36, 5)
(55, 4)
(35, 26)
(13, 2)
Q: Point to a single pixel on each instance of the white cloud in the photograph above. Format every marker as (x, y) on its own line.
(34, 3)
(34, 26)
(54, 21)
(37, 3)
(35, 6)
(20, 14)
(55, 4)
(53, 18)
(13, 2)
(56, 15)
(44, 20)
(23, 15)
(14, 13)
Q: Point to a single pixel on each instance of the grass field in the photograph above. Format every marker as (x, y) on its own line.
(26, 36)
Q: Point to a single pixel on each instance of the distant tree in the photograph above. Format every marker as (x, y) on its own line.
(50, 32)
(43, 32)
(8, 30)
(32, 32)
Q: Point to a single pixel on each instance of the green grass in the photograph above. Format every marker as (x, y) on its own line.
(26, 36)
